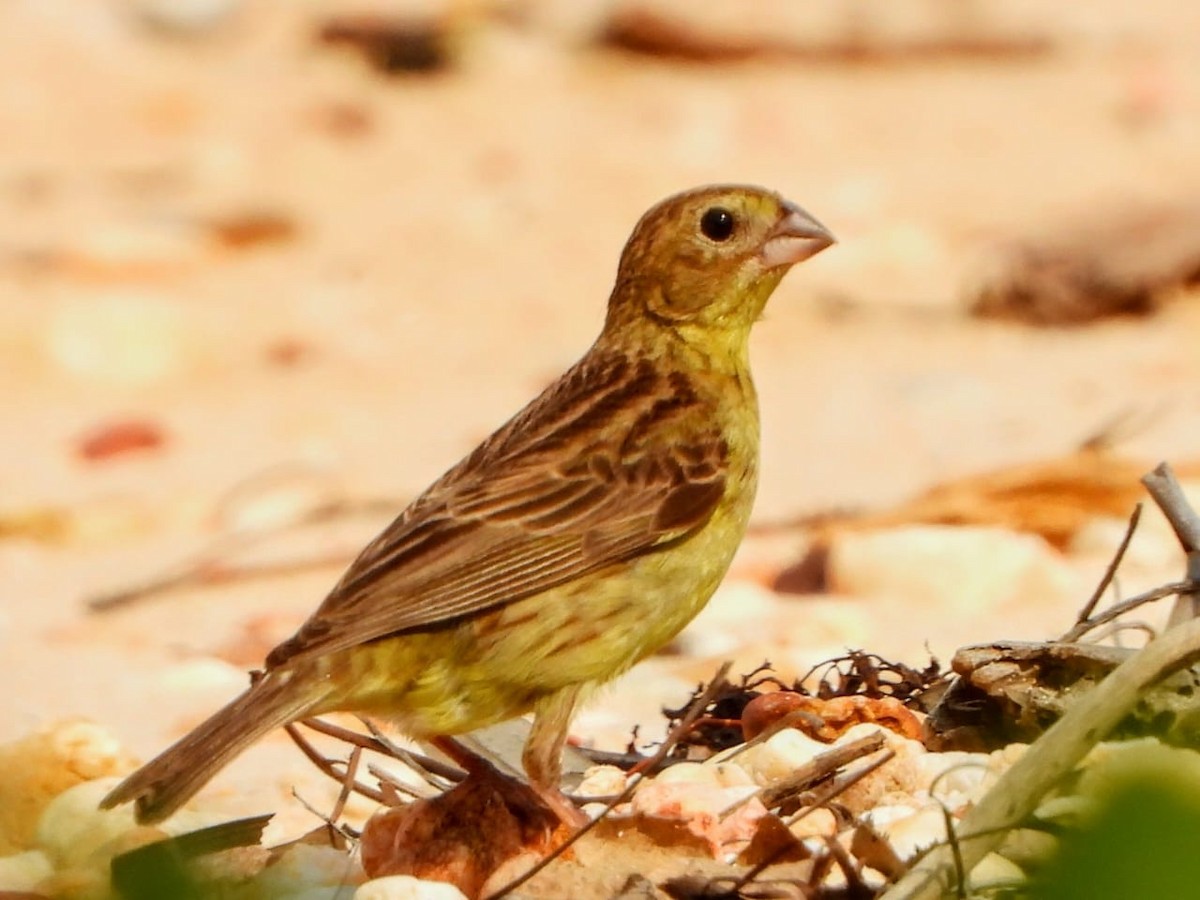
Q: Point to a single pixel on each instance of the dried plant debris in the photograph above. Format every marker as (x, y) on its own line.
(848, 690)
(870, 675)
(1010, 692)
(827, 31)
(1054, 498)
(119, 438)
(392, 45)
(246, 229)
(1126, 261)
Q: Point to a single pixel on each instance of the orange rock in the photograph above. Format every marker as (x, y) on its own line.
(828, 719)
(462, 836)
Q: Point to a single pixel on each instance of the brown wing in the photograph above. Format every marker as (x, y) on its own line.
(583, 478)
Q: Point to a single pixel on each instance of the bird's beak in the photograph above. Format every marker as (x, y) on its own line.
(795, 238)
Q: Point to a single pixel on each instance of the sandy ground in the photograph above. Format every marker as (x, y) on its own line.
(454, 237)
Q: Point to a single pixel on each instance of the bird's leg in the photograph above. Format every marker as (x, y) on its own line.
(542, 758)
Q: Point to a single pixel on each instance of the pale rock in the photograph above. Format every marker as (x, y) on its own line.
(72, 827)
(729, 774)
(955, 777)
(691, 799)
(87, 749)
(602, 781)
(685, 773)
(125, 338)
(185, 17)
(815, 823)
(577, 23)
(885, 815)
(307, 866)
(779, 756)
(1000, 761)
(1029, 847)
(952, 571)
(912, 833)
(899, 776)
(109, 520)
(36, 769)
(136, 251)
(993, 873)
(405, 887)
(77, 884)
(23, 871)
(596, 810)
(1067, 812)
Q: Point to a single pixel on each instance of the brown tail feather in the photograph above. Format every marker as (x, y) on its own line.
(169, 780)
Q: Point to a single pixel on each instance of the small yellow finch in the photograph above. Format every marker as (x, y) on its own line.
(576, 540)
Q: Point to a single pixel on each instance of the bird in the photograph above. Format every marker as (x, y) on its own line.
(577, 539)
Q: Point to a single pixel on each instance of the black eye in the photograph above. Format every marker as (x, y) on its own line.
(717, 223)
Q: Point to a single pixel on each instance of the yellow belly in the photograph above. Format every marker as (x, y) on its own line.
(493, 666)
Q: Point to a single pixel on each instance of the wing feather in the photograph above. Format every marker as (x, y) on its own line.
(611, 462)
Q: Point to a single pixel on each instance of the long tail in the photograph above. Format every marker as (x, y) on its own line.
(169, 780)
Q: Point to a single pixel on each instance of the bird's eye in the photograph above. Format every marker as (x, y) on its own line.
(717, 223)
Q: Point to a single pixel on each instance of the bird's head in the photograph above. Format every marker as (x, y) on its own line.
(709, 258)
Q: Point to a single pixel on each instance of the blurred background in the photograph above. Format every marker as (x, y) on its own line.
(263, 263)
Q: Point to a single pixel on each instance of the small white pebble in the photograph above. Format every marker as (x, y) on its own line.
(596, 810)
(602, 781)
(954, 775)
(87, 749)
(1029, 847)
(123, 338)
(779, 756)
(687, 772)
(994, 871)
(22, 871)
(1067, 811)
(816, 823)
(72, 825)
(405, 887)
(1000, 761)
(882, 817)
(912, 833)
(729, 774)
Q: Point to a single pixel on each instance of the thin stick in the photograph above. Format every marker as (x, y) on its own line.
(419, 761)
(328, 766)
(348, 782)
(1113, 565)
(1165, 489)
(381, 745)
(1167, 493)
(807, 774)
(1119, 609)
